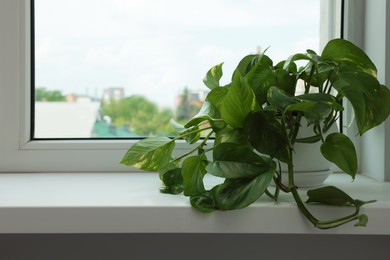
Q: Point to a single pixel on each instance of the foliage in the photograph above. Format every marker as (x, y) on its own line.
(42, 94)
(256, 119)
(141, 115)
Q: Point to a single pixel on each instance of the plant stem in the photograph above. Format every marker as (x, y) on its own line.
(320, 87)
(302, 206)
(331, 78)
(308, 83)
(296, 129)
(274, 197)
(319, 223)
(318, 130)
(196, 148)
(294, 190)
(191, 132)
(291, 182)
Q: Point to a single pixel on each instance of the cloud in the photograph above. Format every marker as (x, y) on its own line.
(155, 47)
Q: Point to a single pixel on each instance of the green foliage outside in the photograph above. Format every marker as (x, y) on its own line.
(143, 116)
(42, 94)
(140, 115)
(136, 113)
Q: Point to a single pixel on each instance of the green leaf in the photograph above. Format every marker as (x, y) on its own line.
(193, 171)
(211, 80)
(363, 219)
(179, 128)
(150, 154)
(285, 81)
(173, 182)
(309, 140)
(266, 135)
(316, 71)
(323, 72)
(260, 78)
(279, 98)
(295, 57)
(168, 167)
(231, 135)
(314, 111)
(339, 149)
(208, 113)
(239, 101)
(216, 96)
(360, 203)
(190, 135)
(205, 114)
(240, 193)
(238, 161)
(227, 169)
(291, 67)
(345, 52)
(369, 99)
(203, 202)
(321, 97)
(329, 195)
(238, 153)
(356, 80)
(247, 63)
(315, 106)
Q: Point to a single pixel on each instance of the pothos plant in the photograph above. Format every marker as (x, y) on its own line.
(250, 127)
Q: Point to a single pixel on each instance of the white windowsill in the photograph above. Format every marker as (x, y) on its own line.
(132, 203)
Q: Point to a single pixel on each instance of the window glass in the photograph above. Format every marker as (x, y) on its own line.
(124, 68)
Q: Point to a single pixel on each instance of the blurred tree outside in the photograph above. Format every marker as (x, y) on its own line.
(42, 94)
(136, 113)
(139, 115)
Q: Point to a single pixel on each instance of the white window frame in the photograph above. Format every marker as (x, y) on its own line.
(20, 154)
(367, 24)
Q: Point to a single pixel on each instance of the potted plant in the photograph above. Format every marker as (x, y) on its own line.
(247, 131)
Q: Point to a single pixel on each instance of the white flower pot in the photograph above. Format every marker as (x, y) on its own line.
(310, 167)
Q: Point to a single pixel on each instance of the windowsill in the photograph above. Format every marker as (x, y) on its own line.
(132, 203)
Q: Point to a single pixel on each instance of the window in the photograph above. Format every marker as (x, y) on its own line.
(125, 68)
(18, 153)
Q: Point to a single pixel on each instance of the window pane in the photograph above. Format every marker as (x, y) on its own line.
(124, 68)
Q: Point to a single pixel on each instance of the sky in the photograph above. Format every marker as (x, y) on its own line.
(156, 48)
